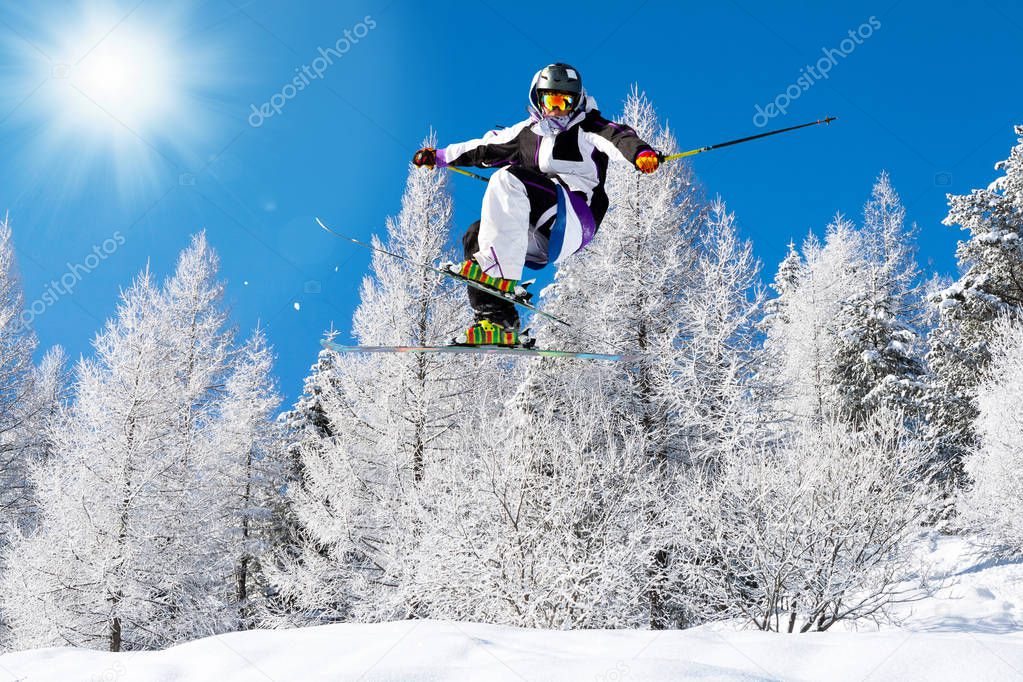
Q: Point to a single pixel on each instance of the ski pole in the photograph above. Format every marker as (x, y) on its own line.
(700, 150)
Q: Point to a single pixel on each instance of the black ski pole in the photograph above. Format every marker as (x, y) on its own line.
(700, 150)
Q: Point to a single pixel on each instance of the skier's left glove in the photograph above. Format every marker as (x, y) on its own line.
(647, 161)
(427, 156)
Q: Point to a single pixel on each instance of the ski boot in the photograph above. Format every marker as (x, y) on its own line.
(471, 270)
(486, 333)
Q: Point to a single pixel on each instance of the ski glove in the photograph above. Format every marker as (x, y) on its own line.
(427, 156)
(647, 161)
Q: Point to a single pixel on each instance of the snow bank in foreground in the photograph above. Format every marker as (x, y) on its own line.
(972, 630)
(432, 650)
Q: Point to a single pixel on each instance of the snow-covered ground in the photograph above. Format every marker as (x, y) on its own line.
(971, 630)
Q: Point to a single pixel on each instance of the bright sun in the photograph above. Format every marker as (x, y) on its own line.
(130, 79)
(122, 86)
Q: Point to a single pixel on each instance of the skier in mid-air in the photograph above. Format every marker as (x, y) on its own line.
(546, 200)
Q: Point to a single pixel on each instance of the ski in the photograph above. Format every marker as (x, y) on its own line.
(479, 350)
(431, 268)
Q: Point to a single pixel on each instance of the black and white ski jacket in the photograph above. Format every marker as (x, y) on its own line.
(574, 150)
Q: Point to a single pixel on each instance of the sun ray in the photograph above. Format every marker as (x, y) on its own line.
(116, 86)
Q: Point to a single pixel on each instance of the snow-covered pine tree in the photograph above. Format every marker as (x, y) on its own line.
(840, 486)
(125, 555)
(248, 443)
(990, 504)
(84, 577)
(50, 391)
(40, 418)
(364, 486)
(990, 285)
(801, 334)
(29, 399)
(721, 358)
(721, 368)
(785, 281)
(879, 359)
(17, 343)
(194, 320)
(308, 435)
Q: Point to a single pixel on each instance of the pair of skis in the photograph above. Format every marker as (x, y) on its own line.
(486, 350)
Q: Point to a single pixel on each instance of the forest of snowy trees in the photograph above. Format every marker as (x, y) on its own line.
(772, 458)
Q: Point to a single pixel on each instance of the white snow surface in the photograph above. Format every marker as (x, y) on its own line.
(972, 629)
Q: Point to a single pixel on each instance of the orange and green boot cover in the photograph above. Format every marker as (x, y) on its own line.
(487, 333)
(470, 269)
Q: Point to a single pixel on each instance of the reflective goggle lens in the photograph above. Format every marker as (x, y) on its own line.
(556, 101)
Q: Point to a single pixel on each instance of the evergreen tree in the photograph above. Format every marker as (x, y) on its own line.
(802, 336)
(127, 550)
(990, 504)
(249, 447)
(990, 285)
(878, 356)
(391, 418)
(308, 435)
(721, 410)
(17, 404)
(785, 280)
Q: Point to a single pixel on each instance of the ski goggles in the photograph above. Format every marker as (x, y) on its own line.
(557, 101)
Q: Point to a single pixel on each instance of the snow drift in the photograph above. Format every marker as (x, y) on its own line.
(971, 630)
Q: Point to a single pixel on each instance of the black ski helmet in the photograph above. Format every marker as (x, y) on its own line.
(561, 78)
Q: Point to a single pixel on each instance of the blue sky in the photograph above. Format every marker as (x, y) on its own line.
(149, 137)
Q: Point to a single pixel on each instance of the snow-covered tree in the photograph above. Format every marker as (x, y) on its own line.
(625, 293)
(254, 468)
(544, 515)
(720, 362)
(17, 404)
(815, 523)
(801, 334)
(390, 419)
(991, 503)
(309, 436)
(990, 285)
(125, 555)
(784, 284)
(879, 356)
(83, 577)
(820, 529)
(30, 397)
(722, 407)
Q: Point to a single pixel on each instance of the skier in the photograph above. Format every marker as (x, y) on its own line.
(546, 200)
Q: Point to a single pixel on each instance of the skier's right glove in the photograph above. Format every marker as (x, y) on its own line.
(427, 156)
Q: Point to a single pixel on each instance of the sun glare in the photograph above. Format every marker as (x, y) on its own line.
(131, 79)
(120, 87)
